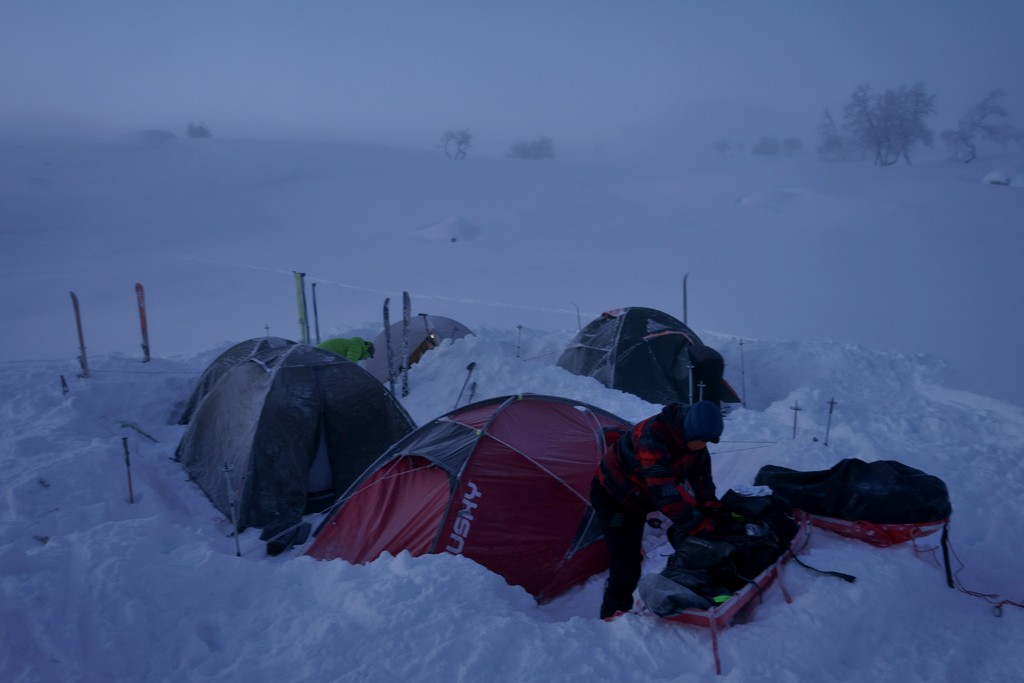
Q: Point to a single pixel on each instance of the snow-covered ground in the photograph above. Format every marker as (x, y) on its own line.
(837, 279)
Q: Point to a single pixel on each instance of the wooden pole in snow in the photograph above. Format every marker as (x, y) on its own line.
(685, 322)
(140, 298)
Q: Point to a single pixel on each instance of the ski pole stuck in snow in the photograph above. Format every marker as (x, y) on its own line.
(128, 467)
(828, 424)
(469, 372)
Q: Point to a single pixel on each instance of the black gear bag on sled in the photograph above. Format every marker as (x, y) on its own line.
(883, 502)
(751, 533)
(716, 579)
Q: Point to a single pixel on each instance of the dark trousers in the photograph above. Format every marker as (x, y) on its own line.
(623, 532)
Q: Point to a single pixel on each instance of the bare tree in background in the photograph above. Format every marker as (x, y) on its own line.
(977, 124)
(833, 146)
(455, 143)
(890, 124)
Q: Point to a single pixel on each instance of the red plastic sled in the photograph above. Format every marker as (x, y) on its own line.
(741, 603)
(882, 535)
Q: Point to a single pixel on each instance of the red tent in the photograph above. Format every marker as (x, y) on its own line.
(504, 482)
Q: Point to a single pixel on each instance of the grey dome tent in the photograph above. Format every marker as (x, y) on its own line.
(650, 354)
(425, 332)
(285, 432)
(221, 364)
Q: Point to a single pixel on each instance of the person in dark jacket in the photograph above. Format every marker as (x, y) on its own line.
(661, 464)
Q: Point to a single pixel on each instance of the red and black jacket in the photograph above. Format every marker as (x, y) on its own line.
(650, 469)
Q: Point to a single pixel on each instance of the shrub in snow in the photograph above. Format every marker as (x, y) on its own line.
(539, 148)
(455, 143)
(155, 136)
(198, 130)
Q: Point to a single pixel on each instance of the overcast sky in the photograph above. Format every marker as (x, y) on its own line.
(405, 70)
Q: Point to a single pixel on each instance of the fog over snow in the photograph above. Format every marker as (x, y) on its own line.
(596, 75)
(894, 291)
(97, 588)
(922, 258)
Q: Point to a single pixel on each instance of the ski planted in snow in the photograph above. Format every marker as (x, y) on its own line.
(82, 360)
(406, 312)
(140, 297)
(387, 343)
(300, 289)
(316, 315)
(431, 332)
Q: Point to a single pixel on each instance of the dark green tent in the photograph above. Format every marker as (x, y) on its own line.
(228, 359)
(650, 354)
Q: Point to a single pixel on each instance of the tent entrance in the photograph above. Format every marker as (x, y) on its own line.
(320, 486)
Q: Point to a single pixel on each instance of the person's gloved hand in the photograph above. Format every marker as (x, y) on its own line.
(706, 526)
(697, 524)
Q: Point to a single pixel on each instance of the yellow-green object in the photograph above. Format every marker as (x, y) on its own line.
(353, 348)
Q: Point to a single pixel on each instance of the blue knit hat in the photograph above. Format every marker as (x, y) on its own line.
(703, 422)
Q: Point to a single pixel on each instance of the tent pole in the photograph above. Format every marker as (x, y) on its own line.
(226, 469)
